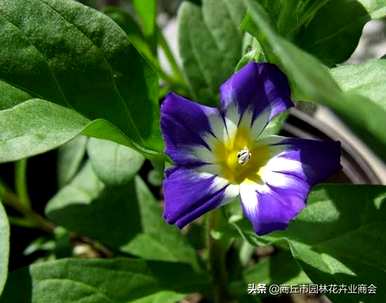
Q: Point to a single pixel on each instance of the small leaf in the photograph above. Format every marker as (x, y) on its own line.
(210, 43)
(70, 157)
(100, 281)
(4, 244)
(114, 164)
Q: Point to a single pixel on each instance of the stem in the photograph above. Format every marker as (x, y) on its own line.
(217, 257)
(33, 219)
(21, 182)
(169, 55)
(13, 201)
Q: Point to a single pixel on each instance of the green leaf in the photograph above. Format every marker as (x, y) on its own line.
(330, 30)
(279, 268)
(133, 32)
(376, 8)
(210, 44)
(70, 158)
(90, 67)
(36, 126)
(311, 81)
(334, 32)
(147, 13)
(126, 218)
(11, 96)
(100, 281)
(161, 297)
(114, 164)
(4, 244)
(339, 237)
(367, 79)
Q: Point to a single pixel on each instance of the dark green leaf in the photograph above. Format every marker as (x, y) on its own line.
(88, 66)
(114, 164)
(4, 244)
(339, 238)
(125, 217)
(134, 33)
(100, 281)
(70, 158)
(330, 30)
(210, 43)
(333, 33)
(311, 81)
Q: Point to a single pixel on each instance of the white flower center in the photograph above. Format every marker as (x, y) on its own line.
(243, 156)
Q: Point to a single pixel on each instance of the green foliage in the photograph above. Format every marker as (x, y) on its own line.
(376, 8)
(4, 244)
(210, 43)
(315, 26)
(114, 164)
(338, 238)
(100, 281)
(330, 37)
(125, 217)
(89, 67)
(70, 158)
(367, 79)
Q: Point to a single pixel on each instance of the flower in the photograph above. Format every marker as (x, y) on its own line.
(219, 154)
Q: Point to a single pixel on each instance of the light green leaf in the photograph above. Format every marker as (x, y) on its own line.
(147, 13)
(367, 79)
(376, 8)
(311, 81)
(114, 164)
(100, 281)
(70, 158)
(11, 96)
(36, 126)
(126, 218)
(4, 244)
(161, 297)
(87, 66)
(339, 237)
(210, 44)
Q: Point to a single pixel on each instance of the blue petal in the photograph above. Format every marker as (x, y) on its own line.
(287, 178)
(260, 88)
(184, 125)
(189, 194)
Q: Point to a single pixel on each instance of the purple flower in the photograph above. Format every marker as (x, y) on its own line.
(219, 153)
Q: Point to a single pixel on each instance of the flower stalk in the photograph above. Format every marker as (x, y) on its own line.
(217, 260)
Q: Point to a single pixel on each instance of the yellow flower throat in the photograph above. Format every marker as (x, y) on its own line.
(241, 158)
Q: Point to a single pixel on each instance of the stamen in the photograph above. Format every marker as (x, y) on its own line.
(243, 156)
